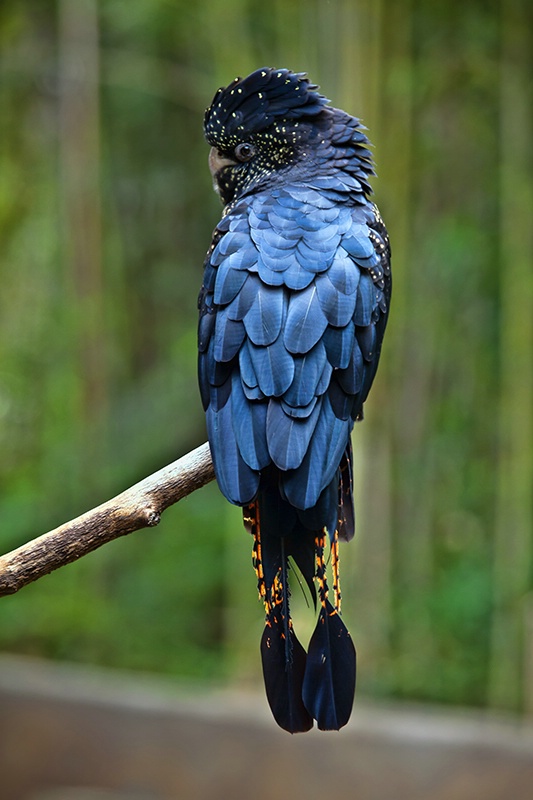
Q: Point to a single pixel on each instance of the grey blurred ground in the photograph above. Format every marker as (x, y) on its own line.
(70, 733)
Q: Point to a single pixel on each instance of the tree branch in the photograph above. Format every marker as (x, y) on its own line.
(138, 507)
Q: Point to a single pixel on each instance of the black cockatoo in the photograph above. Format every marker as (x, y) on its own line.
(293, 309)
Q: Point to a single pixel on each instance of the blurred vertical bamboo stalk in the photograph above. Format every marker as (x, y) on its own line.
(528, 654)
(79, 155)
(409, 555)
(514, 510)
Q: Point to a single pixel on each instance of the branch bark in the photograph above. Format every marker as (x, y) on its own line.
(138, 507)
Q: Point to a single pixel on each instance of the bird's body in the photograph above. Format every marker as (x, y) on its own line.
(293, 310)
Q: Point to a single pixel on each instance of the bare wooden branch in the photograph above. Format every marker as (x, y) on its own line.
(140, 506)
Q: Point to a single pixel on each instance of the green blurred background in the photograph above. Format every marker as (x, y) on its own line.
(106, 210)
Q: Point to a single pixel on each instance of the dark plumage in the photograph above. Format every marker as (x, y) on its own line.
(293, 309)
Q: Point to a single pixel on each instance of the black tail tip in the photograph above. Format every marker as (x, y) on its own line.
(318, 685)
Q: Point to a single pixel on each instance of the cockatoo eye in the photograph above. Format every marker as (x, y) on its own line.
(244, 151)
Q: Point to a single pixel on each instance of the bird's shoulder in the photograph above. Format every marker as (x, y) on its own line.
(292, 233)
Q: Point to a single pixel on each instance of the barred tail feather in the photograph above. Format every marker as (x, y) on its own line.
(283, 657)
(300, 687)
(329, 681)
(284, 661)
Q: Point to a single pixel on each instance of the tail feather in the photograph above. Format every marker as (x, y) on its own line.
(301, 687)
(284, 661)
(329, 681)
(302, 551)
(346, 524)
(283, 657)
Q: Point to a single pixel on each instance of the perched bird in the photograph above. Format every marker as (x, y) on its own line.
(293, 309)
